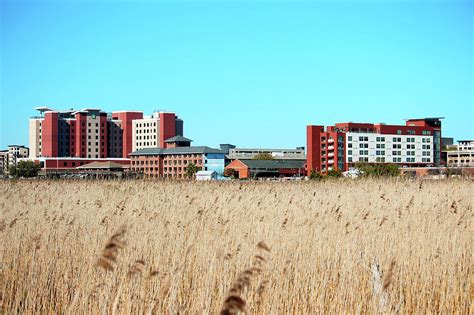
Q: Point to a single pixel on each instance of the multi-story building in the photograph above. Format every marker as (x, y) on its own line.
(462, 156)
(173, 160)
(151, 132)
(3, 162)
(11, 157)
(250, 153)
(87, 133)
(418, 143)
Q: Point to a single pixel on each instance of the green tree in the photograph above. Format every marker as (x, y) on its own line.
(230, 172)
(263, 156)
(314, 175)
(191, 170)
(24, 169)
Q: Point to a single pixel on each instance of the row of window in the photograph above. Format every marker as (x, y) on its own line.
(146, 124)
(382, 152)
(394, 139)
(166, 162)
(146, 138)
(394, 160)
(146, 130)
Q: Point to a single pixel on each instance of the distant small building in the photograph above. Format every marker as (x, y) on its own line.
(268, 168)
(250, 153)
(11, 157)
(206, 175)
(462, 155)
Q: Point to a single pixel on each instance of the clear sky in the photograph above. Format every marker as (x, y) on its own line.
(251, 73)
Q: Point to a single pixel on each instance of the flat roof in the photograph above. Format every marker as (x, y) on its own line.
(426, 118)
(267, 149)
(17, 145)
(79, 158)
(178, 150)
(127, 111)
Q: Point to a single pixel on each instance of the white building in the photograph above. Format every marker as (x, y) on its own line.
(387, 148)
(206, 175)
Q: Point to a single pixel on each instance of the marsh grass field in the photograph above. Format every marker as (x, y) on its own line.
(145, 247)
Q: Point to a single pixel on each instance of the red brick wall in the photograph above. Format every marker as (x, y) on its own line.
(127, 127)
(81, 135)
(167, 127)
(313, 145)
(49, 135)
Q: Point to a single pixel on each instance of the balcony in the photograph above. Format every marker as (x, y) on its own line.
(331, 162)
(331, 155)
(331, 147)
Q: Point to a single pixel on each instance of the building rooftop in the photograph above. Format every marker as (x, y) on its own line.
(103, 165)
(179, 150)
(17, 145)
(178, 139)
(426, 119)
(276, 164)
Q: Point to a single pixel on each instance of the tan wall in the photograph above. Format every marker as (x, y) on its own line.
(145, 133)
(35, 138)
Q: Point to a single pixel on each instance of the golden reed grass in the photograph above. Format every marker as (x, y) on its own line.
(197, 248)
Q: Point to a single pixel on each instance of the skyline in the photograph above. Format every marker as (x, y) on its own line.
(236, 72)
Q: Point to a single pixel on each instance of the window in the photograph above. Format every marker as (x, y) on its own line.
(426, 132)
(349, 138)
(349, 152)
(349, 159)
(399, 132)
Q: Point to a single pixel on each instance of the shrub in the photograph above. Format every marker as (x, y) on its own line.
(378, 169)
(230, 172)
(334, 173)
(315, 175)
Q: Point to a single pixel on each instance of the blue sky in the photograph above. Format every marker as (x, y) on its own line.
(251, 73)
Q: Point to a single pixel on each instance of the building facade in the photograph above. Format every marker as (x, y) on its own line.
(418, 143)
(87, 133)
(152, 132)
(173, 161)
(462, 156)
(11, 157)
(92, 133)
(250, 153)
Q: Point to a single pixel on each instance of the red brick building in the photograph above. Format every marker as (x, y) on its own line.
(173, 160)
(267, 168)
(92, 133)
(417, 143)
